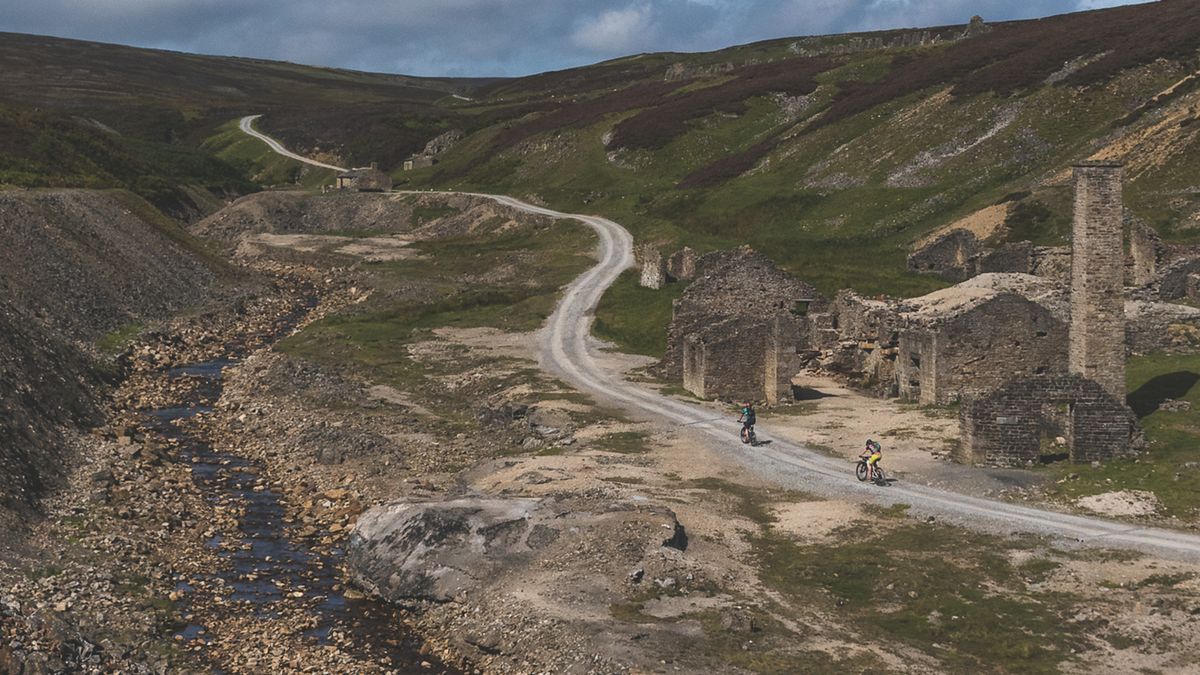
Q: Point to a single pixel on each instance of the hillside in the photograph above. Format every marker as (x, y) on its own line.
(834, 153)
(84, 114)
(81, 271)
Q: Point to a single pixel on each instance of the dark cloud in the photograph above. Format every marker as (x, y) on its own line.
(484, 37)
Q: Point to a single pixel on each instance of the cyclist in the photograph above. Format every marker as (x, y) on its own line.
(747, 419)
(872, 453)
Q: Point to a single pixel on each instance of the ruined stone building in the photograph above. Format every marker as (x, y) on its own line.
(365, 179)
(958, 255)
(740, 328)
(1164, 271)
(936, 348)
(1087, 406)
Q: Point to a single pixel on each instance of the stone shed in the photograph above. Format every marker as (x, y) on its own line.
(974, 338)
(739, 328)
(936, 347)
(1011, 425)
(365, 179)
(958, 255)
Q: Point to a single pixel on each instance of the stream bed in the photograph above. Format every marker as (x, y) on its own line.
(268, 566)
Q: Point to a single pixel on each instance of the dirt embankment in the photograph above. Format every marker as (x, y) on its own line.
(75, 265)
(416, 216)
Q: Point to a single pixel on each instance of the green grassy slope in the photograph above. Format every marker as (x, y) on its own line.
(833, 154)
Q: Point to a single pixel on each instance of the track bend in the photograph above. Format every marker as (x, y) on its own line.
(246, 124)
(569, 351)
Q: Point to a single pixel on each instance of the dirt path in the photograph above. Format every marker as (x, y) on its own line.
(568, 350)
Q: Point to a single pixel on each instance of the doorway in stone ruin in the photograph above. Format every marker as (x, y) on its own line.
(1054, 432)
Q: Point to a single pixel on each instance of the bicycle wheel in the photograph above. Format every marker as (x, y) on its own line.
(880, 479)
(860, 471)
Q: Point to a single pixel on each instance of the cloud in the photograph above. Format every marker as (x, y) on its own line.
(616, 31)
(484, 37)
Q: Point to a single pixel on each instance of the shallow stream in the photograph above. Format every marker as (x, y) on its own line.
(269, 566)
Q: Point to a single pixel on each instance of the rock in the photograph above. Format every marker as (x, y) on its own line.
(439, 550)
(738, 621)
(1172, 405)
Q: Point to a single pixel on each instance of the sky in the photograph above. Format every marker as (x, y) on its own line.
(484, 37)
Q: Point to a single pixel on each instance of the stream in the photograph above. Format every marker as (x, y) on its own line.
(268, 566)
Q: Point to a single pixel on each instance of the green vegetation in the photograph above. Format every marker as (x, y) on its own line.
(941, 590)
(1173, 437)
(635, 319)
(116, 340)
(264, 166)
(624, 442)
(374, 338)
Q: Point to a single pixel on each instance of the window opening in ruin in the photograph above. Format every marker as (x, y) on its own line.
(836, 323)
(915, 361)
(1040, 370)
(801, 309)
(1041, 333)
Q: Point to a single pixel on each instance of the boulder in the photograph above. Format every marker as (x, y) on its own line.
(438, 550)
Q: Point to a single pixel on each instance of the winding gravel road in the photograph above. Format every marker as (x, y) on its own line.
(246, 124)
(569, 351)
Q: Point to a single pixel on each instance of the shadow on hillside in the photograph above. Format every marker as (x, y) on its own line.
(1149, 396)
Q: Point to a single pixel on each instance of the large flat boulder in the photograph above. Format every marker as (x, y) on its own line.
(436, 551)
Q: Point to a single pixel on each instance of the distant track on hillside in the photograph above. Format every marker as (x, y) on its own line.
(568, 350)
(246, 124)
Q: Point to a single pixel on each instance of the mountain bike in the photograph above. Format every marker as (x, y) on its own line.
(747, 435)
(863, 471)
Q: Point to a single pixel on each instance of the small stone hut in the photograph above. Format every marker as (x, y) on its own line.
(1008, 426)
(365, 179)
(739, 328)
(966, 339)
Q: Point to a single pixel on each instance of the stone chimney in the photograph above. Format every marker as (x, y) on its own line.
(1097, 335)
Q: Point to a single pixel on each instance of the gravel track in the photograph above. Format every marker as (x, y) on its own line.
(569, 351)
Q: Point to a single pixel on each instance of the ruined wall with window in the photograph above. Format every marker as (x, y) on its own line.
(740, 327)
(944, 355)
(1010, 425)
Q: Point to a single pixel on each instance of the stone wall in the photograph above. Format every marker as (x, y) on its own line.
(1006, 426)
(739, 284)
(681, 266)
(1051, 262)
(1097, 336)
(947, 255)
(1161, 326)
(1147, 250)
(958, 256)
(654, 268)
(1174, 282)
(727, 360)
(979, 349)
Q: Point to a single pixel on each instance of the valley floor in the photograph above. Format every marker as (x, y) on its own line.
(402, 385)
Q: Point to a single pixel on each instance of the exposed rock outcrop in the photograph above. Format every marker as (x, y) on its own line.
(440, 550)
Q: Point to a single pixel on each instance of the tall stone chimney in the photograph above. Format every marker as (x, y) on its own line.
(1097, 341)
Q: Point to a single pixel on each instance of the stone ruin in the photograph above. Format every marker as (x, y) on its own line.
(936, 348)
(654, 268)
(1003, 343)
(681, 266)
(658, 271)
(1027, 355)
(959, 255)
(1161, 270)
(1008, 426)
(1087, 406)
(740, 331)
